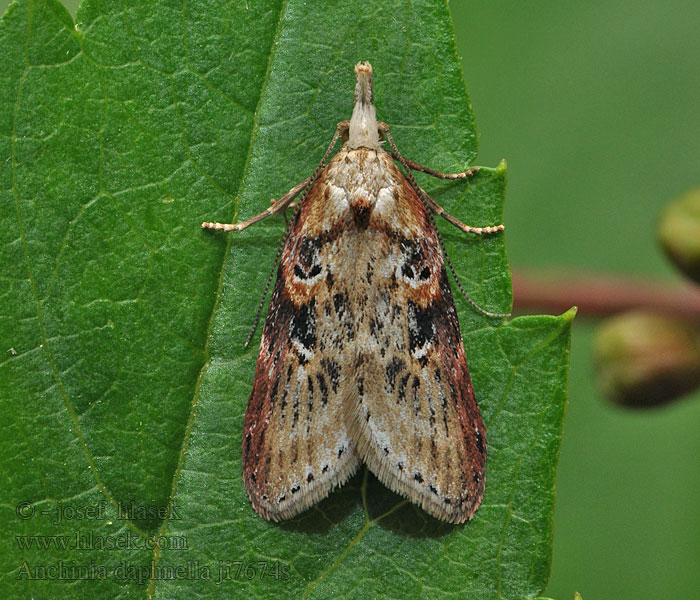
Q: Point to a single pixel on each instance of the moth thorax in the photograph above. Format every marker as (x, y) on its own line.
(363, 124)
(361, 207)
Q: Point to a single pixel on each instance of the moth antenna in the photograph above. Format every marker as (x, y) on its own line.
(280, 248)
(459, 285)
(419, 191)
(264, 294)
(342, 126)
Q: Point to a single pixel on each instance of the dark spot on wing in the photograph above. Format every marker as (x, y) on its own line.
(414, 262)
(332, 369)
(479, 441)
(340, 303)
(421, 324)
(403, 382)
(304, 326)
(395, 367)
(311, 273)
(323, 387)
(308, 264)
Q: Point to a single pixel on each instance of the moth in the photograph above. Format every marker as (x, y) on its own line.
(361, 358)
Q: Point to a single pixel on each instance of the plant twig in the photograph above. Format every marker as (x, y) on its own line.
(601, 295)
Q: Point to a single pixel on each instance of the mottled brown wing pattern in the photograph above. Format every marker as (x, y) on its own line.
(295, 446)
(361, 357)
(412, 413)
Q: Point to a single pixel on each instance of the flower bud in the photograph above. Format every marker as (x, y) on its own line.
(644, 359)
(679, 233)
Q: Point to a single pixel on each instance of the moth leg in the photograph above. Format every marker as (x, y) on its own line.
(342, 130)
(283, 203)
(407, 162)
(291, 206)
(416, 167)
(277, 207)
(427, 200)
(438, 210)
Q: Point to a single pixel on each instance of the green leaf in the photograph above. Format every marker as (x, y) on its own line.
(124, 378)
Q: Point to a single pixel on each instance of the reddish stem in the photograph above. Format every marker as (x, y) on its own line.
(599, 295)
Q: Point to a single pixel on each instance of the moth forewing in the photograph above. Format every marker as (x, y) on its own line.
(414, 417)
(296, 448)
(361, 357)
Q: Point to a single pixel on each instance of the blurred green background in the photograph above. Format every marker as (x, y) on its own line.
(596, 107)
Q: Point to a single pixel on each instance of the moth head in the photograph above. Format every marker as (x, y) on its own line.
(363, 131)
